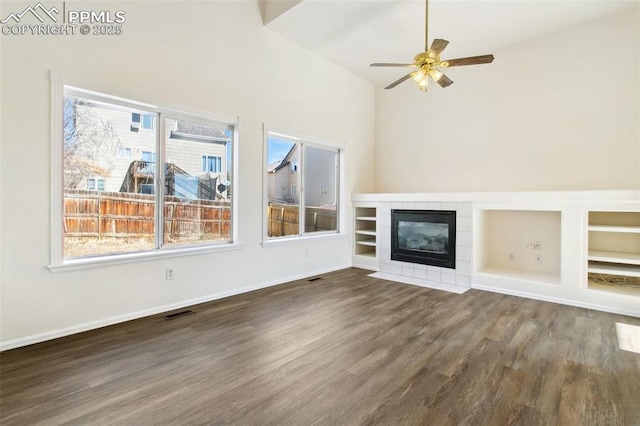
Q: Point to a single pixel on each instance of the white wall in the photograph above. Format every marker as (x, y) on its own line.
(203, 57)
(555, 113)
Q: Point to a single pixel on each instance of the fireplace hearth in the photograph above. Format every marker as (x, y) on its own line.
(426, 237)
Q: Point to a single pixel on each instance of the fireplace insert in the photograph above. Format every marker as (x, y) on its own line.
(426, 237)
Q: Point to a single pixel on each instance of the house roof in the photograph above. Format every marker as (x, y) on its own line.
(199, 133)
(285, 161)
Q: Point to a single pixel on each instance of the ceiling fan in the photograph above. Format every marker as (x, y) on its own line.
(428, 62)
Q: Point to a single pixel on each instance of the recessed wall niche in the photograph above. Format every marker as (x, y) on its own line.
(519, 244)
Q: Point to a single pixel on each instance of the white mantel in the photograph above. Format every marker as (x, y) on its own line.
(570, 211)
(528, 196)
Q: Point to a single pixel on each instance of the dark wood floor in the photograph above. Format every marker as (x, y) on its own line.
(347, 349)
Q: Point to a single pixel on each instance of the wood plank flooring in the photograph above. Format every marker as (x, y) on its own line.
(346, 349)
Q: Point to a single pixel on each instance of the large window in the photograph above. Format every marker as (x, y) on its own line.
(302, 186)
(127, 191)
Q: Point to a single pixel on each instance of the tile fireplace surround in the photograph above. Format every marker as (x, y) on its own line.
(538, 245)
(456, 280)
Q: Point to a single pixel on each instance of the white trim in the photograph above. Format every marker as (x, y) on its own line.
(133, 104)
(92, 325)
(155, 254)
(524, 196)
(57, 154)
(305, 238)
(559, 300)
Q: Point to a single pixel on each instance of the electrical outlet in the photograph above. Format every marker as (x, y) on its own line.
(512, 257)
(537, 245)
(169, 272)
(538, 258)
(306, 253)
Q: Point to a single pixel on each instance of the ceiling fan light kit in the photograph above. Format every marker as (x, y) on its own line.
(429, 62)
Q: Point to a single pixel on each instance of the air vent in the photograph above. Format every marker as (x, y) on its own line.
(315, 279)
(178, 314)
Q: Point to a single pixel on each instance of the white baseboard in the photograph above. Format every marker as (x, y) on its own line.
(559, 300)
(55, 334)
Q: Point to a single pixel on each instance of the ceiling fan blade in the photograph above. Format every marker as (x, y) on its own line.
(438, 45)
(444, 81)
(388, 64)
(398, 81)
(471, 60)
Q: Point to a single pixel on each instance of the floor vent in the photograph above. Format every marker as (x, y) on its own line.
(315, 279)
(178, 314)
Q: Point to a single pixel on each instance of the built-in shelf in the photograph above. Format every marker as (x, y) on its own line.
(613, 228)
(614, 269)
(519, 274)
(613, 258)
(628, 291)
(365, 236)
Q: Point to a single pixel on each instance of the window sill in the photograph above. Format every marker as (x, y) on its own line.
(120, 259)
(281, 241)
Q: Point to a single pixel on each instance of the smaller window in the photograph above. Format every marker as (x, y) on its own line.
(135, 121)
(94, 184)
(211, 164)
(147, 122)
(149, 156)
(124, 152)
(294, 166)
(293, 191)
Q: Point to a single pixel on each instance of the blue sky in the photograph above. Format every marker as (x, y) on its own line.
(278, 148)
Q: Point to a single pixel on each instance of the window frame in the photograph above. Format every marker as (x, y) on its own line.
(206, 162)
(124, 153)
(303, 140)
(144, 119)
(57, 261)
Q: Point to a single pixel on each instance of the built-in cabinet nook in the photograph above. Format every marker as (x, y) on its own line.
(365, 247)
(579, 248)
(614, 251)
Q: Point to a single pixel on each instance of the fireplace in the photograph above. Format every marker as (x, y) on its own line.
(426, 237)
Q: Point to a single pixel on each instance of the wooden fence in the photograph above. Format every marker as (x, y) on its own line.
(93, 214)
(284, 219)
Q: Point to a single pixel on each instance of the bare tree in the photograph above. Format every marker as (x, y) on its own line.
(90, 143)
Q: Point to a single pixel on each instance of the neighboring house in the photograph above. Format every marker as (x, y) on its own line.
(285, 180)
(126, 161)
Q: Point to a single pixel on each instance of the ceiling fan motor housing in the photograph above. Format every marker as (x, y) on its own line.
(428, 57)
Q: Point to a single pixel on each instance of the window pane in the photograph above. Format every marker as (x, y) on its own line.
(198, 189)
(283, 178)
(120, 218)
(320, 196)
(147, 121)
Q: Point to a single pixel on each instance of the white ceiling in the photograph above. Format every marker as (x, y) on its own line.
(355, 33)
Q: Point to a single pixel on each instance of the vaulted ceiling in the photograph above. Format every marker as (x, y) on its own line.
(355, 33)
